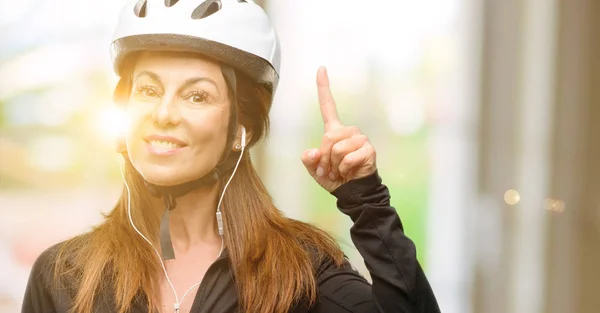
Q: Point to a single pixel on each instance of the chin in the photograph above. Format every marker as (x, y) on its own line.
(164, 175)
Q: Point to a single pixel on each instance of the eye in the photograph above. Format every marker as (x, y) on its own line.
(147, 91)
(198, 97)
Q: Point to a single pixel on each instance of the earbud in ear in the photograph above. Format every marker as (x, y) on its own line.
(243, 136)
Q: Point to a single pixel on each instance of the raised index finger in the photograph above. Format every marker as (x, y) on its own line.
(326, 101)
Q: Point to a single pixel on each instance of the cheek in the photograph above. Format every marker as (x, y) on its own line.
(208, 130)
(135, 116)
(136, 120)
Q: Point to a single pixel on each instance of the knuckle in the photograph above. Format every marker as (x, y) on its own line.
(354, 129)
(328, 137)
(371, 150)
(347, 160)
(362, 138)
(337, 149)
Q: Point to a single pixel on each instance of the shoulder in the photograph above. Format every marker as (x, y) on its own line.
(342, 289)
(43, 267)
(55, 256)
(41, 293)
(329, 268)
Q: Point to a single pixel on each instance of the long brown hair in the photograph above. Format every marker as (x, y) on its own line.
(272, 257)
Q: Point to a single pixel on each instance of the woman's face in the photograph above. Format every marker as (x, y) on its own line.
(178, 116)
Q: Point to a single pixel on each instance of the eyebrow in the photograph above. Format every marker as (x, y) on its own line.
(187, 83)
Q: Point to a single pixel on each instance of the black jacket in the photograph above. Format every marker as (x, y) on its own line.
(399, 284)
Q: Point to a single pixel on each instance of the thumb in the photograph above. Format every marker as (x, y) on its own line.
(311, 158)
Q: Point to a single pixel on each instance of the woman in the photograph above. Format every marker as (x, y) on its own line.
(195, 230)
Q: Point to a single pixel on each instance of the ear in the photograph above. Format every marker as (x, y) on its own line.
(121, 145)
(242, 136)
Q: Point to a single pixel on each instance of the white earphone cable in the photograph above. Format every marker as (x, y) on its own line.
(219, 221)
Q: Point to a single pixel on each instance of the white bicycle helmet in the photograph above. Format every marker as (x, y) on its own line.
(235, 32)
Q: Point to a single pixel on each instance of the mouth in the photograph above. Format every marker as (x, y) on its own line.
(163, 145)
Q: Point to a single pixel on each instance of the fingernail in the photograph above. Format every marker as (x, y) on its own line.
(311, 155)
(331, 176)
(320, 171)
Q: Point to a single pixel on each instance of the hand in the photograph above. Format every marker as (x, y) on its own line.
(345, 153)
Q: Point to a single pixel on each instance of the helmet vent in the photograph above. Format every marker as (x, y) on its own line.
(170, 3)
(206, 9)
(140, 8)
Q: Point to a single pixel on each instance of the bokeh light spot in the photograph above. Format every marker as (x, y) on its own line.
(512, 197)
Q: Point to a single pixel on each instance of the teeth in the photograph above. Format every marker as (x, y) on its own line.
(163, 145)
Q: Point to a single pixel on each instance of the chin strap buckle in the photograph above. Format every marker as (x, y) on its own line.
(169, 202)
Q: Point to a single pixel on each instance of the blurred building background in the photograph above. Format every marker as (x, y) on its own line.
(485, 115)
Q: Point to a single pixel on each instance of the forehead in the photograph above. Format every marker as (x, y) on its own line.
(173, 66)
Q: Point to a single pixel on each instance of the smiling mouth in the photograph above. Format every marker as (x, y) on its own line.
(159, 145)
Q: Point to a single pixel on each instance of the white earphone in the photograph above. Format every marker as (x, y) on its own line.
(242, 145)
(243, 137)
(218, 216)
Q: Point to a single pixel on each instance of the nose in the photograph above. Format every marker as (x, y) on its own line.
(166, 113)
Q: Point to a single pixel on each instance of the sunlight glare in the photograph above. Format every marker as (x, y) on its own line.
(111, 123)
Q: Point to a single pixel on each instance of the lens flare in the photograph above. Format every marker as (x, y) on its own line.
(111, 123)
